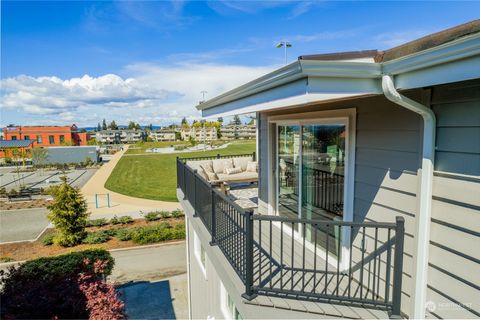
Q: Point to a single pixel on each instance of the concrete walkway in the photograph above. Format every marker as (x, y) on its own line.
(119, 204)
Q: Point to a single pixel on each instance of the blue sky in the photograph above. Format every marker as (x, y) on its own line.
(65, 62)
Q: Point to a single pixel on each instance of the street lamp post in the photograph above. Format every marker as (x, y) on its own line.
(284, 44)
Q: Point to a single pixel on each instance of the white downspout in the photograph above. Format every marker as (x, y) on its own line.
(423, 220)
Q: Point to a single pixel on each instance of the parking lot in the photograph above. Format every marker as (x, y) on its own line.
(11, 179)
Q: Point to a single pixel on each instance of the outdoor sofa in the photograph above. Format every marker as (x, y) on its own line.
(231, 170)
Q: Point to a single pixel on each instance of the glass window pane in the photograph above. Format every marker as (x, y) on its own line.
(323, 167)
(288, 167)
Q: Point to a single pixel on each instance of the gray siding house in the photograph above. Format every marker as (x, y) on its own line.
(368, 200)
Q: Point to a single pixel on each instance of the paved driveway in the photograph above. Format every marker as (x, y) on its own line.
(23, 224)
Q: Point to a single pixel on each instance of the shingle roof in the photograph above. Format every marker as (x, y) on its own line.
(424, 43)
(15, 143)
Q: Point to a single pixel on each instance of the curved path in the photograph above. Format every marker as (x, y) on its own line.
(119, 204)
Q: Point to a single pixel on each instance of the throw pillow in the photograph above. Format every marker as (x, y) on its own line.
(234, 170)
(252, 166)
(218, 166)
(227, 163)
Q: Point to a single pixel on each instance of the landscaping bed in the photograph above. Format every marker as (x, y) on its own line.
(134, 233)
(35, 203)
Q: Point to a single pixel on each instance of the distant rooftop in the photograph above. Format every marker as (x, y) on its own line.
(5, 144)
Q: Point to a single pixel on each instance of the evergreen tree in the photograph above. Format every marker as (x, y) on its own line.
(113, 125)
(68, 213)
(184, 122)
(236, 120)
(104, 124)
(131, 125)
(220, 119)
(99, 127)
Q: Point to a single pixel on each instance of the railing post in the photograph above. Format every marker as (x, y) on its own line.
(184, 164)
(178, 168)
(194, 193)
(214, 219)
(249, 294)
(254, 156)
(218, 155)
(398, 268)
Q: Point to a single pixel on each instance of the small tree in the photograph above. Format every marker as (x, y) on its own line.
(39, 156)
(104, 124)
(68, 213)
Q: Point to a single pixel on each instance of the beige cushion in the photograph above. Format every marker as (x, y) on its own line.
(241, 162)
(238, 177)
(207, 167)
(218, 166)
(227, 163)
(196, 164)
(212, 176)
(233, 170)
(252, 166)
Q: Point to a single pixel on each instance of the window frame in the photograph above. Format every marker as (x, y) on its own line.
(200, 254)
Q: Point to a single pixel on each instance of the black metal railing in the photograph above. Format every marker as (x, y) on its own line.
(320, 188)
(291, 257)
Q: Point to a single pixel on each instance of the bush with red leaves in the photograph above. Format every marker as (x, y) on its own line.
(66, 286)
(101, 298)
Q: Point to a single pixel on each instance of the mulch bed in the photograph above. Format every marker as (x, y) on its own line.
(35, 203)
(30, 250)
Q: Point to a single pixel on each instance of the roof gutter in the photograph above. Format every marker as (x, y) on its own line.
(425, 194)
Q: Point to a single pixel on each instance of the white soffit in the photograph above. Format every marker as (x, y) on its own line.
(300, 100)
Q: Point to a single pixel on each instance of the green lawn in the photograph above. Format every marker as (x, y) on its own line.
(154, 176)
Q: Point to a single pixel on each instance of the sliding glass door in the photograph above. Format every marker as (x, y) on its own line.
(288, 137)
(310, 180)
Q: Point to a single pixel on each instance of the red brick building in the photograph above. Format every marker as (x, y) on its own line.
(47, 136)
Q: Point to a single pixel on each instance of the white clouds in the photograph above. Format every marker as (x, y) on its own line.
(152, 93)
(393, 39)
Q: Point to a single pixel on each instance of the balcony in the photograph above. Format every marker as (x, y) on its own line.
(302, 259)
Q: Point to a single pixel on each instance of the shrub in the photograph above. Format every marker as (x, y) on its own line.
(114, 220)
(123, 234)
(152, 216)
(97, 222)
(54, 287)
(47, 240)
(6, 259)
(177, 213)
(157, 233)
(165, 214)
(96, 237)
(102, 301)
(125, 220)
(68, 213)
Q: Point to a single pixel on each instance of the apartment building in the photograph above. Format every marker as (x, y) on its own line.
(244, 131)
(46, 136)
(199, 133)
(120, 136)
(367, 201)
(164, 134)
